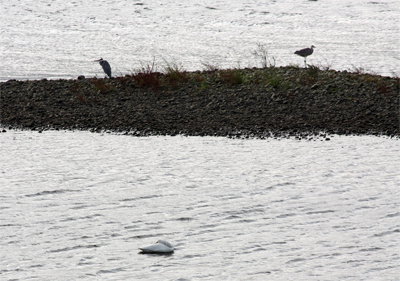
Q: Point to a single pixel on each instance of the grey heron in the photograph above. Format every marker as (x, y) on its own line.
(305, 53)
(106, 66)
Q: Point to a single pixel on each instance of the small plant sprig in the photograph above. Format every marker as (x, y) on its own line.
(261, 53)
(358, 70)
(232, 76)
(146, 76)
(175, 73)
(313, 71)
(210, 66)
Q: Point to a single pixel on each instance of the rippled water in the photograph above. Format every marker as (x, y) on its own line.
(77, 205)
(60, 39)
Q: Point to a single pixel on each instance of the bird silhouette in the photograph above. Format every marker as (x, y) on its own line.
(106, 66)
(305, 53)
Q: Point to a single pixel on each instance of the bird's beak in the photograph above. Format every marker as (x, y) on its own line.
(96, 60)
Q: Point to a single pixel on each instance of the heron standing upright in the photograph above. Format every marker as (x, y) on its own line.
(106, 66)
(305, 53)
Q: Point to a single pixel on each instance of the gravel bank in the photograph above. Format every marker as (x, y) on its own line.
(235, 103)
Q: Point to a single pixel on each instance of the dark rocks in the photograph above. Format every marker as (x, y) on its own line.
(298, 103)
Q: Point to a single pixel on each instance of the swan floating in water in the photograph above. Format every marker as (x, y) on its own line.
(160, 247)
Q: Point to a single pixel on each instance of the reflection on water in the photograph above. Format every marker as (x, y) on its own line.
(77, 205)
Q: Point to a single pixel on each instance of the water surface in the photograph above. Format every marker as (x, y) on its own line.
(60, 39)
(77, 205)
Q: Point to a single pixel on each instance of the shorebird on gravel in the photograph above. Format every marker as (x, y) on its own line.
(106, 66)
(305, 53)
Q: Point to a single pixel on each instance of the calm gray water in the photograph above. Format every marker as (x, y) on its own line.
(77, 205)
(60, 39)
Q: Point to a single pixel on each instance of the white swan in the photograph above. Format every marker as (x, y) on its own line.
(161, 247)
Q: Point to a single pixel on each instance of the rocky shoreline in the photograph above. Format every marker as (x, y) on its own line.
(254, 102)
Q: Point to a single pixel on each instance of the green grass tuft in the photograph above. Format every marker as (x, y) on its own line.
(101, 85)
(313, 71)
(274, 79)
(175, 74)
(232, 76)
